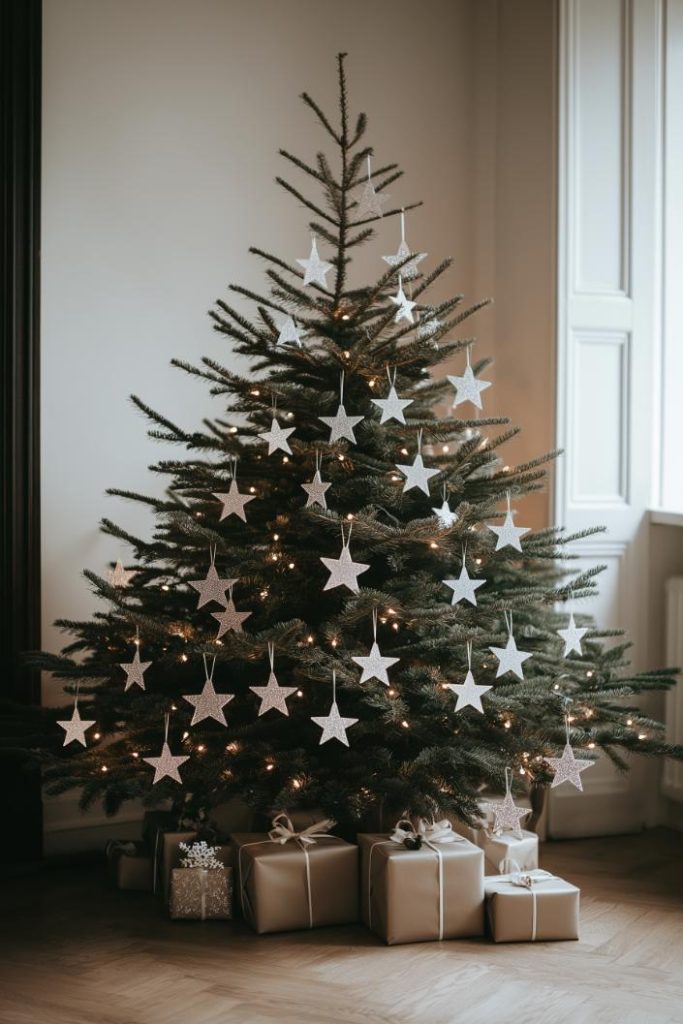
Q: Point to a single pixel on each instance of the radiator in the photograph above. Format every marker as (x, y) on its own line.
(672, 781)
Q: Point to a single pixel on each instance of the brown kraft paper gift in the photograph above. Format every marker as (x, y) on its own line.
(167, 856)
(532, 906)
(421, 895)
(294, 884)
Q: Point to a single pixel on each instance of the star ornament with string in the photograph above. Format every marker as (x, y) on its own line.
(344, 572)
(371, 201)
(166, 765)
(333, 725)
(289, 333)
(392, 406)
(375, 665)
(568, 768)
(509, 658)
(135, 671)
(315, 269)
(277, 437)
(469, 693)
(468, 388)
(75, 727)
(211, 588)
(572, 636)
(464, 588)
(230, 619)
(208, 703)
(341, 425)
(316, 491)
(508, 535)
(404, 304)
(273, 696)
(234, 502)
(409, 270)
(445, 515)
(506, 814)
(416, 474)
(120, 577)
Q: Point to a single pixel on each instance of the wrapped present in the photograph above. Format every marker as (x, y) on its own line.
(289, 879)
(168, 854)
(202, 887)
(508, 851)
(423, 884)
(130, 865)
(531, 906)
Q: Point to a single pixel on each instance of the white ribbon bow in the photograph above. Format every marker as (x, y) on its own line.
(527, 880)
(429, 832)
(283, 830)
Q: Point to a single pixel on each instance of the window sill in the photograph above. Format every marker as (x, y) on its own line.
(663, 517)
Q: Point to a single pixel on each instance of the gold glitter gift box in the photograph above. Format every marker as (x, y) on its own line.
(201, 894)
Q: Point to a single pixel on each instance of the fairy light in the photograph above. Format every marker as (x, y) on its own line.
(173, 707)
(201, 748)
(347, 354)
(341, 456)
(506, 469)
(404, 451)
(346, 316)
(299, 693)
(433, 545)
(591, 746)
(349, 516)
(233, 430)
(165, 586)
(269, 767)
(135, 754)
(290, 415)
(394, 477)
(291, 565)
(276, 536)
(556, 686)
(444, 686)
(252, 490)
(310, 638)
(199, 515)
(97, 735)
(405, 724)
(372, 382)
(296, 784)
(395, 626)
(263, 595)
(233, 747)
(642, 735)
(334, 641)
(285, 458)
(391, 692)
(185, 735)
(104, 768)
(255, 392)
(507, 724)
(183, 657)
(589, 674)
(522, 771)
(477, 561)
(445, 448)
(629, 721)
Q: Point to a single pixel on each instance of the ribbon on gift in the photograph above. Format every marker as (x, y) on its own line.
(125, 847)
(283, 832)
(527, 880)
(433, 834)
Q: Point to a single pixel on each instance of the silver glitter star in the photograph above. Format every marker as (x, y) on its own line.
(409, 270)
(334, 726)
(428, 326)
(509, 658)
(277, 437)
(468, 388)
(572, 637)
(289, 333)
(135, 671)
(375, 665)
(75, 727)
(405, 305)
(120, 577)
(316, 491)
(341, 425)
(166, 765)
(568, 768)
(392, 406)
(445, 515)
(273, 695)
(234, 502)
(469, 693)
(464, 587)
(371, 202)
(315, 269)
(343, 571)
(417, 474)
(508, 534)
(506, 815)
(208, 703)
(230, 619)
(212, 588)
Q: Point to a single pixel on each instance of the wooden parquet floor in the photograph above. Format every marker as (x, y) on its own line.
(77, 952)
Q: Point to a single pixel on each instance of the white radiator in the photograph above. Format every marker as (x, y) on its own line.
(672, 782)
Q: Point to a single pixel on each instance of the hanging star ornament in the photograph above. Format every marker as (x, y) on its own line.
(409, 270)
(469, 693)
(289, 333)
(120, 577)
(468, 388)
(208, 703)
(416, 474)
(392, 406)
(371, 202)
(135, 671)
(234, 502)
(572, 637)
(508, 535)
(568, 768)
(375, 665)
(166, 765)
(341, 425)
(428, 326)
(315, 269)
(343, 570)
(75, 727)
(316, 490)
(273, 696)
(211, 588)
(464, 587)
(445, 515)
(509, 658)
(277, 437)
(230, 619)
(334, 726)
(506, 815)
(404, 304)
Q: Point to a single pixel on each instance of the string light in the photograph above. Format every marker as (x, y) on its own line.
(135, 754)
(404, 451)
(291, 565)
(104, 768)
(347, 355)
(349, 516)
(391, 692)
(165, 586)
(255, 392)
(173, 707)
(445, 448)
(341, 456)
(252, 490)
(269, 767)
(183, 657)
(233, 430)
(310, 638)
(276, 536)
(589, 674)
(404, 724)
(522, 771)
(507, 724)
(185, 735)
(285, 458)
(642, 735)
(433, 545)
(334, 641)
(232, 747)
(296, 784)
(629, 721)
(97, 735)
(372, 382)
(201, 748)
(591, 746)
(299, 693)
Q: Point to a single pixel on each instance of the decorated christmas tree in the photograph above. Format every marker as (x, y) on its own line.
(340, 606)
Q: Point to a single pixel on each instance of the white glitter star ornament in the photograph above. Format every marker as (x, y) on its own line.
(277, 437)
(409, 270)
(120, 577)
(469, 693)
(375, 665)
(208, 703)
(317, 488)
(135, 669)
(509, 658)
(568, 768)
(572, 636)
(445, 514)
(212, 587)
(392, 406)
(468, 388)
(464, 588)
(289, 333)
(506, 814)
(508, 535)
(416, 474)
(167, 764)
(371, 202)
(233, 502)
(75, 727)
(315, 269)
(230, 619)
(273, 696)
(333, 725)
(341, 424)
(344, 572)
(404, 304)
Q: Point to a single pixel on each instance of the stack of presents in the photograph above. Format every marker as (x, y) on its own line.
(423, 881)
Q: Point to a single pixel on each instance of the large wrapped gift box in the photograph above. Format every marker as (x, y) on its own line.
(418, 895)
(532, 906)
(167, 857)
(201, 894)
(296, 884)
(130, 865)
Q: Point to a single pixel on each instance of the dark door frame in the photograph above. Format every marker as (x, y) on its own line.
(20, 133)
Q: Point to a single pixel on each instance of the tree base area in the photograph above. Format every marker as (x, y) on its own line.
(76, 951)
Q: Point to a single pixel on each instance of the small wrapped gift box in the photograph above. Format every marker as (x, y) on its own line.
(200, 894)
(130, 865)
(508, 851)
(167, 856)
(532, 906)
(432, 891)
(289, 880)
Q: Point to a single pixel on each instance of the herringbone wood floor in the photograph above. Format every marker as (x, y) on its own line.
(77, 952)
